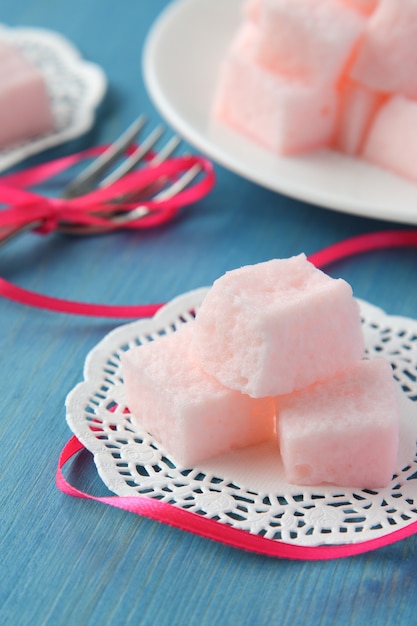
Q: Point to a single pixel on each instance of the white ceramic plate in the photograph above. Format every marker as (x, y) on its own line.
(181, 59)
(75, 87)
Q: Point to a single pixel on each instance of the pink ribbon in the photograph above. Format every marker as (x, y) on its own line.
(335, 252)
(364, 243)
(210, 529)
(27, 207)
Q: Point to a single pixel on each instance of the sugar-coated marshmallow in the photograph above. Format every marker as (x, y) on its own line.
(273, 327)
(186, 410)
(344, 431)
(387, 56)
(358, 107)
(283, 113)
(311, 39)
(392, 139)
(24, 101)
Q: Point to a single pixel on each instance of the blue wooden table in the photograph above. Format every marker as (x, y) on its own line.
(70, 562)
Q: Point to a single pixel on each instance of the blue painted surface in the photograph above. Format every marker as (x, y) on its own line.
(70, 562)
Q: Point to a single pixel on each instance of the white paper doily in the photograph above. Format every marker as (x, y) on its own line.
(75, 87)
(244, 488)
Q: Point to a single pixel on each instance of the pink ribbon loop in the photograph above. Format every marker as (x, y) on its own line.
(210, 529)
(27, 208)
(335, 252)
(93, 209)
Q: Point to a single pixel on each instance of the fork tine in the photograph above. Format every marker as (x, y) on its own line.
(153, 187)
(181, 183)
(85, 181)
(130, 163)
(142, 211)
(166, 151)
(7, 236)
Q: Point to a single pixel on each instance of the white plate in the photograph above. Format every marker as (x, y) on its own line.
(180, 62)
(75, 87)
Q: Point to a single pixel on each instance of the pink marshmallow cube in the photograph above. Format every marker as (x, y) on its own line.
(392, 139)
(187, 411)
(284, 114)
(310, 39)
(358, 107)
(270, 328)
(387, 57)
(367, 6)
(7, 52)
(251, 9)
(24, 101)
(344, 431)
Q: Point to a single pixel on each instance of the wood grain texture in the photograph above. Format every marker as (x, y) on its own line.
(69, 562)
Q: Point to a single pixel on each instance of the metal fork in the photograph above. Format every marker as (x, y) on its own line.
(94, 176)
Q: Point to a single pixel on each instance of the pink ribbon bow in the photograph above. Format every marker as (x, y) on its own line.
(43, 214)
(27, 207)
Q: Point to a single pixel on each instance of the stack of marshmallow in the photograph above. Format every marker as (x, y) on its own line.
(306, 74)
(24, 100)
(276, 350)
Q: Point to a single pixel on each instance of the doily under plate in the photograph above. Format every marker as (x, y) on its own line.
(245, 489)
(75, 87)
